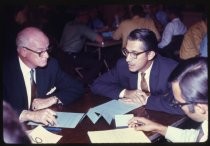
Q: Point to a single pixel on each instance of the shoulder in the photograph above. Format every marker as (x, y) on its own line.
(165, 62)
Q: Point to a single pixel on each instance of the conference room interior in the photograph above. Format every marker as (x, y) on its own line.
(51, 18)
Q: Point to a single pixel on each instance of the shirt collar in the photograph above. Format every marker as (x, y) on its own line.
(24, 68)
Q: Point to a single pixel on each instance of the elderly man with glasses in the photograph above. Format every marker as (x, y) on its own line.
(33, 81)
(125, 80)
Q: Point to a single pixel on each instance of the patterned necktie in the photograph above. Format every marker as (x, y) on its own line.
(144, 86)
(33, 87)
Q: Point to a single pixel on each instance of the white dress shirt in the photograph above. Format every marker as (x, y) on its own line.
(186, 135)
(26, 75)
(147, 77)
(173, 28)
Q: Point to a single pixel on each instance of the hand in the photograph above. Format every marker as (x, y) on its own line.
(141, 123)
(135, 96)
(41, 103)
(44, 116)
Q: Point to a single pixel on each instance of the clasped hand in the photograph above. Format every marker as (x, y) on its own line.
(135, 96)
(45, 116)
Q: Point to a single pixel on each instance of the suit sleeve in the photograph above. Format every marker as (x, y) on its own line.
(108, 84)
(68, 88)
(163, 103)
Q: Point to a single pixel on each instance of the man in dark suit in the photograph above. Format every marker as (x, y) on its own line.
(124, 80)
(52, 85)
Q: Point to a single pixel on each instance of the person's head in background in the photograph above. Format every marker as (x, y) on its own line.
(140, 49)
(32, 47)
(137, 10)
(13, 131)
(190, 87)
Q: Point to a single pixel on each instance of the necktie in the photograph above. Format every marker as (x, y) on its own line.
(200, 135)
(33, 87)
(144, 86)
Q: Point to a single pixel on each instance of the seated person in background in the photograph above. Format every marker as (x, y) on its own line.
(13, 130)
(74, 36)
(32, 54)
(96, 23)
(190, 88)
(192, 39)
(204, 47)
(124, 81)
(137, 20)
(174, 28)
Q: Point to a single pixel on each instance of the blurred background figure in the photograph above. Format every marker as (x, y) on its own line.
(96, 21)
(191, 43)
(204, 47)
(72, 43)
(13, 130)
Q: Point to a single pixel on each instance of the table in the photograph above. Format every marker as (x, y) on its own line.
(79, 133)
(108, 42)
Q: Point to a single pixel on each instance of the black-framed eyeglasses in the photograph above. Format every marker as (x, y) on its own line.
(176, 103)
(133, 55)
(41, 53)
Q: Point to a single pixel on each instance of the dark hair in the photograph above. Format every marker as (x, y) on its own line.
(146, 36)
(192, 76)
(137, 10)
(13, 131)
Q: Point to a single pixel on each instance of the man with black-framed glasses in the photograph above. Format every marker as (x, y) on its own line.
(33, 81)
(189, 82)
(141, 77)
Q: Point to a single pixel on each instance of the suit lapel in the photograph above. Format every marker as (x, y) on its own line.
(154, 75)
(133, 80)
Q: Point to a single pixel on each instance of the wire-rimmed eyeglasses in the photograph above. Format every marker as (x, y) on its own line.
(41, 53)
(132, 54)
(176, 103)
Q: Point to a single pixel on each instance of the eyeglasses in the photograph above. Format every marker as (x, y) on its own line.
(176, 103)
(41, 53)
(133, 55)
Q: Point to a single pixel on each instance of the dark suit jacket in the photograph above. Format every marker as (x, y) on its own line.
(14, 90)
(113, 82)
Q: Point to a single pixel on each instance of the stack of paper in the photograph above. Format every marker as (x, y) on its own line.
(126, 135)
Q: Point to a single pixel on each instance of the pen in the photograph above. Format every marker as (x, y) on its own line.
(56, 129)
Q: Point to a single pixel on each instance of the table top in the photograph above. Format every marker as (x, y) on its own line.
(79, 133)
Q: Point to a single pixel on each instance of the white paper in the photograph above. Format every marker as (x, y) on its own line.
(125, 135)
(122, 120)
(41, 135)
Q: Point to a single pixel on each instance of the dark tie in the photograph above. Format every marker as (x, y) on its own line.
(200, 135)
(33, 87)
(144, 86)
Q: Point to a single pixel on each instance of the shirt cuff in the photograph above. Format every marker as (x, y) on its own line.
(122, 94)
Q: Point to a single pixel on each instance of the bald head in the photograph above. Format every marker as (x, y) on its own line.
(30, 36)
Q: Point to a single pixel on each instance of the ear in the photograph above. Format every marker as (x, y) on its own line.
(202, 108)
(22, 52)
(151, 55)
